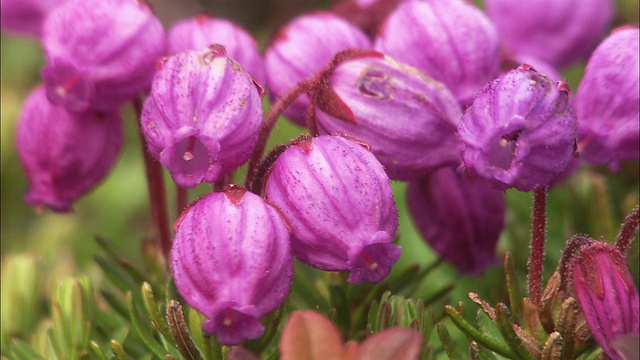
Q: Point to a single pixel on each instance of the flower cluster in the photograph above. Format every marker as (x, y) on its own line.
(414, 94)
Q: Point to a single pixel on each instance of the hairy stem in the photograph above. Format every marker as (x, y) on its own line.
(157, 191)
(538, 231)
(627, 231)
(269, 122)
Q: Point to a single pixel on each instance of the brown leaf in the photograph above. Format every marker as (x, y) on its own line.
(392, 344)
(310, 336)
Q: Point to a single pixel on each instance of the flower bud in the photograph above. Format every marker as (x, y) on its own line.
(65, 154)
(301, 48)
(450, 40)
(607, 101)
(606, 293)
(338, 202)
(231, 261)
(202, 30)
(520, 131)
(26, 17)
(202, 117)
(100, 53)
(409, 119)
(461, 218)
(556, 31)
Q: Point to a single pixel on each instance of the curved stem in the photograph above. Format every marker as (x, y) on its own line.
(269, 122)
(182, 200)
(157, 191)
(625, 236)
(538, 230)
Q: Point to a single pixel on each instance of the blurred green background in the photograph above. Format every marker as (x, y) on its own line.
(593, 201)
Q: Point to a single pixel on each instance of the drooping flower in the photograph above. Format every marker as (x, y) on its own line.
(202, 117)
(100, 53)
(64, 154)
(408, 119)
(231, 261)
(607, 101)
(461, 218)
(26, 17)
(450, 40)
(201, 31)
(304, 46)
(556, 31)
(337, 199)
(606, 292)
(520, 131)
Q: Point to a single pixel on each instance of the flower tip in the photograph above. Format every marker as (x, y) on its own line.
(373, 263)
(232, 326)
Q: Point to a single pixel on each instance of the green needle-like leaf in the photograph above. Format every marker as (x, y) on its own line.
(505, 324)
(144, 332)
(447, 342)
(478, 336)
(151, 306)
(513, 287)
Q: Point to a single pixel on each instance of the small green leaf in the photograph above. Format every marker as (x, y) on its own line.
(513, 287)
(151, 306)
(488, 327)
(447, 343)
(505, 324)
(23, 351)
(482, 339)
(118, 351)
(144, 332)
(97, 351)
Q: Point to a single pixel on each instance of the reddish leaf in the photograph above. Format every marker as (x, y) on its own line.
(391, 344)
(310, 336)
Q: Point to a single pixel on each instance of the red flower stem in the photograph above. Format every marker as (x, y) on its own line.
(157, 192)
(182, 200)
(538, 231)
(628, 229)
(268, 124)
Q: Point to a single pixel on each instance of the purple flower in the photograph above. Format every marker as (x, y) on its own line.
(65, 155)
(202, 117)
(556, 31)
(607, 101)
(606, 293)
(461, 218)
(301, 48)
(409, 119)
(100, 53)
(26, 16)
(337, 199)
(200, 31)
(450, 40)
(231, 261)
(520, 131)
(368, 15)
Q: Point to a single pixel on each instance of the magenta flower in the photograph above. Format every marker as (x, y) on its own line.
(201, 31)
(231, 261)
(520, 131)
(606, 293)
(301, 48)
(65, 155)
(368, 15)
(559, 32)
(461, 218)
(337, 199)
(450, 40)
(100, 53)
(409, 119)
(202, 117)
(607, 101)
(26, 17)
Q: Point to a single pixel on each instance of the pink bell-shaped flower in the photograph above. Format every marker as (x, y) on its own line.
(64, 154)
(301, 48)
(608, 101)
(337, 199)
(606, 292)
(201, 31)
(26, 17)
(202, 117)
(452, 41)
(231, 261)
(461, 218)
(409, 120)
(520, 131)
(559, 32)
(100, 53)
